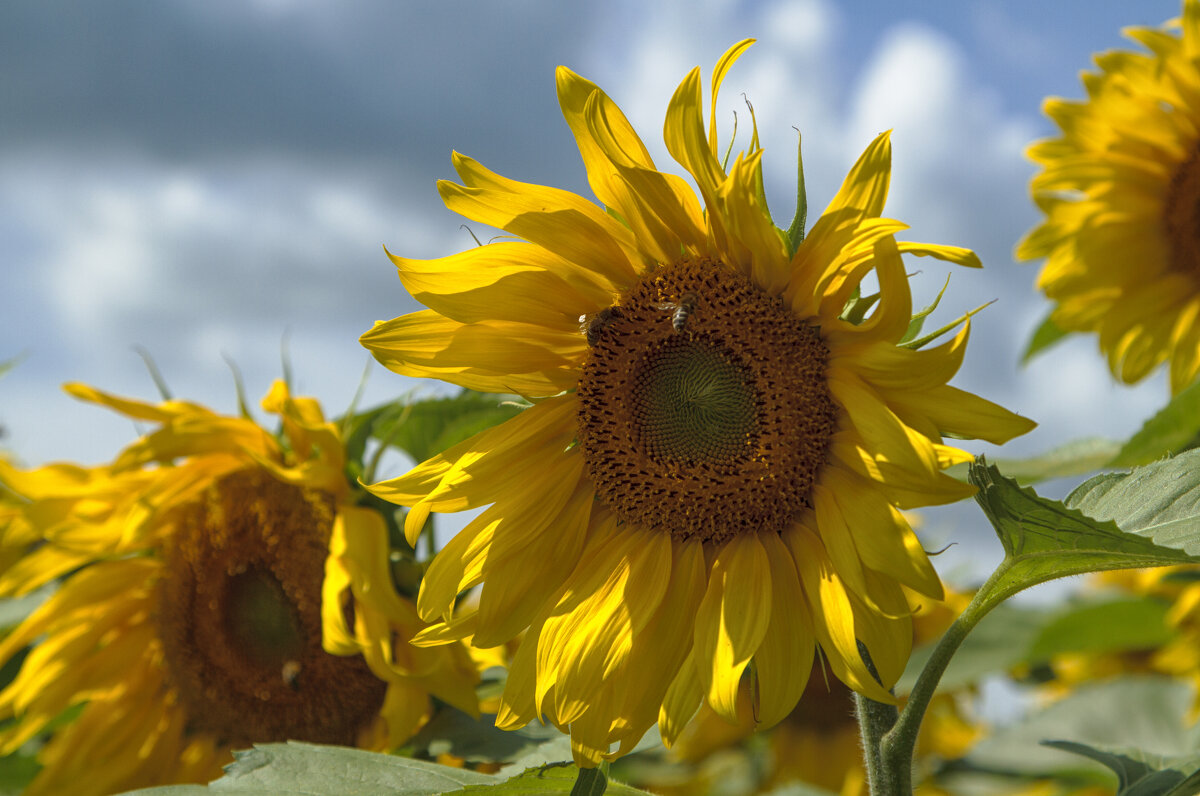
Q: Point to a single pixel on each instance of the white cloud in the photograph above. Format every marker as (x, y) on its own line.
(194, 263)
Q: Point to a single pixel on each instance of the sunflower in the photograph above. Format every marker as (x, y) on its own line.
(1120, 190)
(710, 475)
(216, 587)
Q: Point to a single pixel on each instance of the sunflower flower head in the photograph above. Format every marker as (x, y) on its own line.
(213, 587)
(1119, 189)
(708, 482)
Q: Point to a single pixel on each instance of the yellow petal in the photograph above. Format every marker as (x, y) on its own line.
(732, 620)
(557, 220)
(789, 639)
(493, 356)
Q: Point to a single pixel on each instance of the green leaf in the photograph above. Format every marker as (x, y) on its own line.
(1159, 501)
(478, 741)
(1077, 457)
(1144, 713)
(426, 428)
(1011, 636)
(799, 789)
(1044, 539)
(1174, 428)
(1138, 773)
(557, 778)
(302, 769)
(1138, 623)
(1047, 334)
(795, 233)
(1000, 641)
(16, 772)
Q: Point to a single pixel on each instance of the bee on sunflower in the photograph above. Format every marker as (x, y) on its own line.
(687, 499)
(214, 586)
(1119, 190)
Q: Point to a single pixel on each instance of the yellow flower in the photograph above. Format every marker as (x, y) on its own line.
(1120, 189)
(197, 572)
(712, 469)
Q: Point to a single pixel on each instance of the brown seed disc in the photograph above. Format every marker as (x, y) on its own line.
(710, 424)
(1181, 215)
(240, 618)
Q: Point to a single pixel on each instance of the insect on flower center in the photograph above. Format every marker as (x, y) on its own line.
(1181, 215)
(239, 612)
(704, 410)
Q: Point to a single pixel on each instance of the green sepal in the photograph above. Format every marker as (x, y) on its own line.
(921, 342)
(918, 320)
(857, 307)
(795, 232)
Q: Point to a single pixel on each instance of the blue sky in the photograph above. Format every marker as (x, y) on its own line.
(201, 178)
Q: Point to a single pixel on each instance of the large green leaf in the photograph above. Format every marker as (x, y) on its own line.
(479, 741)
(1174, 428)
(1142, 713)
(1136, 623)
(1077, 457)
(1011, 636)
(1140, 773)
(1044, 539)
(1000, 641)
(302, 769)
(1160, 501)
(558, 778)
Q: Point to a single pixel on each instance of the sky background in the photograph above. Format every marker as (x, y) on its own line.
(205, 178)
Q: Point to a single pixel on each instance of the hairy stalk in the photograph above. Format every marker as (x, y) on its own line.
(898, 744)
(875, 719)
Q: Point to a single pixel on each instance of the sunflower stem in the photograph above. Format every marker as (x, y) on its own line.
(875, 719)
(899, 743)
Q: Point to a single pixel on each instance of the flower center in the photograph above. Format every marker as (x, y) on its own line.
(692, 403)
(1181, 215)
(704, 410)
(240, 618)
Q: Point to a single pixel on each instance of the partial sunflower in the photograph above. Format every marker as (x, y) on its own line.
(819, 742)
(219, 588)
(712, 470)
(1120, 190)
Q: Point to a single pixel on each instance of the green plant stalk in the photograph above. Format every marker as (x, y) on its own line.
(896, 748)
(875, 719)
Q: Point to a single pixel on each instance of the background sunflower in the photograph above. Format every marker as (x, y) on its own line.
(213, 587)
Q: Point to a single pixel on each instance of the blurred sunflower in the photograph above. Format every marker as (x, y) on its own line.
(216, 587)
(713, 465)
(1120, 190)
(819, 742)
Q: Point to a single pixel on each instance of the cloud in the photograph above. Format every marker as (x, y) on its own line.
(195, 264)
